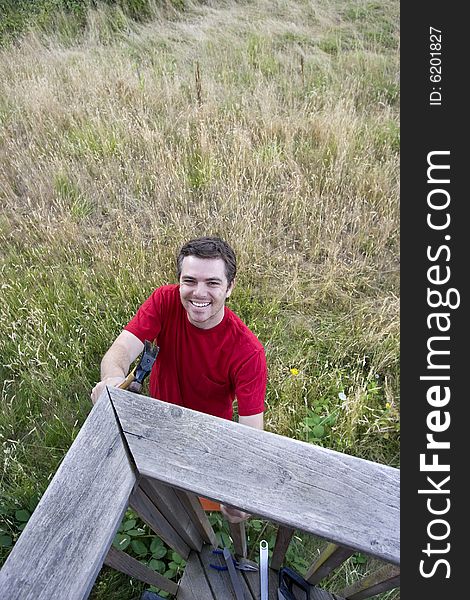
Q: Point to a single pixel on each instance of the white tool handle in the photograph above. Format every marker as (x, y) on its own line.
(263, 569)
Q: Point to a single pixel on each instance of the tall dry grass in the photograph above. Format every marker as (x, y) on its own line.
(272, 124)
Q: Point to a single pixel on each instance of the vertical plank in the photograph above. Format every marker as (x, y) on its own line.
(61, 550)
(330, 558)
(238, 534)
(119, 560)
(149, 513)
(198, 516)
(385, 578)
(283, 538)
(169, 504)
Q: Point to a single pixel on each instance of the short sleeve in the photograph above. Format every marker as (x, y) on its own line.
(147, 322)
(250, 385)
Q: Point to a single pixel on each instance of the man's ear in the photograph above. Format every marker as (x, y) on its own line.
(230, 288)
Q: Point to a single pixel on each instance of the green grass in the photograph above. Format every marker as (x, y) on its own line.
(113, 154)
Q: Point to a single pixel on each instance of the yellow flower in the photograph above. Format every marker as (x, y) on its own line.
(387, 405)
(294, 371)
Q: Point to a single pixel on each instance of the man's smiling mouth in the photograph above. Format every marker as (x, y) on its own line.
(199, 304)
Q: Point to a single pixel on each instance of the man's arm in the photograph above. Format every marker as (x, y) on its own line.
(116, 362)
(255, 421)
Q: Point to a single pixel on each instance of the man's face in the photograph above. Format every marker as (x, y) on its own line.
(203, 290)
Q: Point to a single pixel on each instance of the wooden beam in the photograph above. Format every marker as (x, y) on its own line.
(283, 538)
(169, 504)
(198, 516)
(149, 513)
(347, 500)
(384, 579)
(238, 535)
(63, 546)
(119, 560)
(330, 558)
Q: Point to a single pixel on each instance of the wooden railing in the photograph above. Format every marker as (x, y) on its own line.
(158, 458)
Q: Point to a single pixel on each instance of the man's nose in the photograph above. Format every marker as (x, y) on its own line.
(200, 289)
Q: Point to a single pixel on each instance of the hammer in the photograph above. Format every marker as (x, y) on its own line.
(133, 382)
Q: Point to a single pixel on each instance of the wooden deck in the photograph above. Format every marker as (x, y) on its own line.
(201, 581)
(158, 458)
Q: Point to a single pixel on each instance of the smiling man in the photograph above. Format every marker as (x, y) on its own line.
(208, 356)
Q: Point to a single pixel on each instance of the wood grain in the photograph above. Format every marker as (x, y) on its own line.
(198, 516)
(283, 538)
(238, 535)
(119, 560)
(61, 550)
(330, 558)
(193, 584)
(385, 578)
(171, 507)
(220, 581)
(343, 499)
(149, 513)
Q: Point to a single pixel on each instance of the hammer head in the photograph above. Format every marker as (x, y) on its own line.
(147, 359)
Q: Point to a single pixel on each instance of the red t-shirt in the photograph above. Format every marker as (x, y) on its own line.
(202, 369)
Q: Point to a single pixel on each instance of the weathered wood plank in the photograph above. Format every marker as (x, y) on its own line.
(330, 558)
(198, 516)
(119, 560)
(385, 578)
(169, 504)
(283, 538)
(319, 594)
(253, 581)
(347, 500)
(219, 581)
(193, 584)
(149, 513)
(61, 550)
(238, 535)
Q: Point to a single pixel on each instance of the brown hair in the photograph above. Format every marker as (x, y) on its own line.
(209, 247)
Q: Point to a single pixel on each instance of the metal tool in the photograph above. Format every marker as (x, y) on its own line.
(234, 577)
(133, 382)
(241, 566)
(288, 578)
(263, 569)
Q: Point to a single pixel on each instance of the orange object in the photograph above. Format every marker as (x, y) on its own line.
(209, 504)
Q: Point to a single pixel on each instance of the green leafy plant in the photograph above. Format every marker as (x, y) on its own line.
(135, 538)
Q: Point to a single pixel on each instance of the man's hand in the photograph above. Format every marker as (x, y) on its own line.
(116, 362)
(99, 387)
(233, 515)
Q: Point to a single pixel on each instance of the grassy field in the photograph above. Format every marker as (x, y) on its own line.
(272, 124)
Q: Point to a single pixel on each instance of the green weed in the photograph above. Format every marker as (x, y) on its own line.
(111, 158)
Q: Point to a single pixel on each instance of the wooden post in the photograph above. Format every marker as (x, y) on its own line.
(331, 557)
(238, 534)
(119, 560)
(386, 578)
(283, 538)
